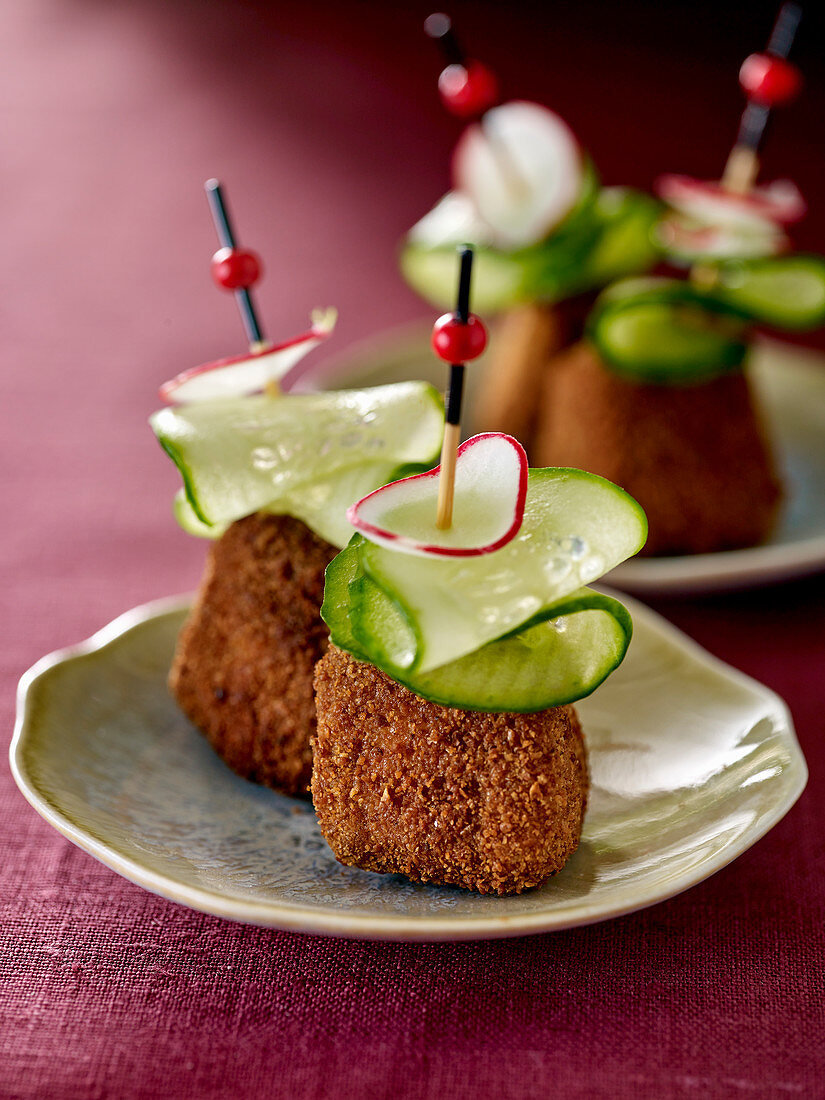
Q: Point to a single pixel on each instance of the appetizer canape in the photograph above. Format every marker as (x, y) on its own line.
(269, 477)
(527, 197)
(657, 396)
(447, 747)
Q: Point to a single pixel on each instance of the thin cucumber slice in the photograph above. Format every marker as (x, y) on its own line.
(547, 272)
(787, 292)
(244, 454)
(429, 260)
(626, 243)
(665, 332)
(558, 659)
(321, 505)
(547, 665)
(576, 527)
(649, 288)
(342, 573)
(188, 519)
(606, 237)
(380, 626)
(500, 279)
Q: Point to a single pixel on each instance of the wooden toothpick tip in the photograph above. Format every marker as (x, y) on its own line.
(446, 477)
(742, 167)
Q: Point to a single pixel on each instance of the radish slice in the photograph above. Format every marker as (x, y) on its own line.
(246, 374)
(779, 203)
(452, 221)
(523, 169)
(488, 504)
(690, 241)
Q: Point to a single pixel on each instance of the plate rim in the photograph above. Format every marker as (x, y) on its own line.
(352, 925)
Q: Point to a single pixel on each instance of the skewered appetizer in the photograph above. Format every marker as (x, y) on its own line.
(527, 197)
(269, 477)
(657, 396)
(462, 630)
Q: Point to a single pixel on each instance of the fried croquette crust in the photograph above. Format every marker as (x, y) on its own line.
(695, 456)
(243, 667)
(490, 802)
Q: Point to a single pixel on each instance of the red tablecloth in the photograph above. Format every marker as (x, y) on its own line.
(323, 122)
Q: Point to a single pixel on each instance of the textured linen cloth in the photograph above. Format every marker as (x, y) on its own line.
(324, 124)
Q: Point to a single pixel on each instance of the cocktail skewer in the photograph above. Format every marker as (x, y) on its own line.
(768, 80)
(469, 90)
(457, 338)
(233, 268)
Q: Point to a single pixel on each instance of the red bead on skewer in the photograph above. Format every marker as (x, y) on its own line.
(236, 268)
(769, 81)
(233, 268)
(467, 88)
(457, 341)
(457, 337)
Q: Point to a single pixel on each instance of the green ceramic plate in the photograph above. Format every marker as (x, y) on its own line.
(691, 762)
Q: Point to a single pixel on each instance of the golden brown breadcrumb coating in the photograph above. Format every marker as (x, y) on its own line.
(695, 456)
(491, 802)
(243, 667)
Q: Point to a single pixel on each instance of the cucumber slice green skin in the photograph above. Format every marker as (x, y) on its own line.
(549, 664)
(607, 235)
(342, 574)
(252, 453)
(671, 332)
(380, 626)
(474, 635)
(666, 332)
(189, 521)
(625, 243)
(650, 288)
(322, 506)
(785, 292)
(557, 657)
(576, 527)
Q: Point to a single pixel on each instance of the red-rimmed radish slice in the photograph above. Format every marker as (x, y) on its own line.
(523, 169)
(245, 374)
(707, 201)
(488, 503)
(719, 242)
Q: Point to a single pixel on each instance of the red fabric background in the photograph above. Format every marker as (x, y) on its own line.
(323, 122)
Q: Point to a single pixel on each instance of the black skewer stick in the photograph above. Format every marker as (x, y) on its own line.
(462, 306)
(755, 117)
(784, 30)
(226, 235)
(455, 394)
(462, 312)
(439, 27)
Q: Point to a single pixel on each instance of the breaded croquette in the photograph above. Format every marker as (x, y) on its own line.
(490, 802)
(243, 667)
(694, 456)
